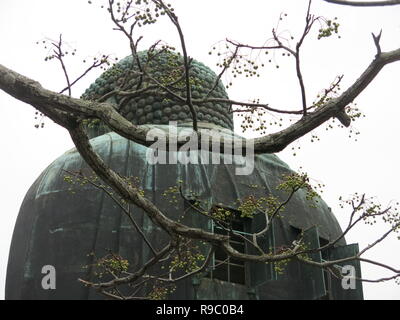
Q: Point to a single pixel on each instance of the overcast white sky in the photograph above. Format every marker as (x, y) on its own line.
(370, 165)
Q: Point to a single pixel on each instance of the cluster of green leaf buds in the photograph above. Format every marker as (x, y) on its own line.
(332, 27)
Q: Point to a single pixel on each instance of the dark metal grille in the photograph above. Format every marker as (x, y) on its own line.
(226, 268)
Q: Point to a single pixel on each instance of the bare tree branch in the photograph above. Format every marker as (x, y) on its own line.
(365, 3)
(377, 39)
(186, 60)
(172, 227)
(59, 55)
(202, 268)
(132, 43)
(31, 92)
(95, 64)
(226, 66)
(309, 23)
(131, 278)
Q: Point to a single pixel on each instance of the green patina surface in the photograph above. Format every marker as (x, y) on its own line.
(157, 106)
(69, 225)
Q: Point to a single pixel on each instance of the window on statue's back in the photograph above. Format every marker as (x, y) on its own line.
(224, 267)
